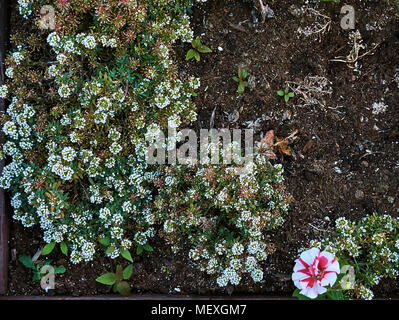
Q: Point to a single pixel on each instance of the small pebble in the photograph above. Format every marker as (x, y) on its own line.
(359, 194)
(220, 49)
(338, 170)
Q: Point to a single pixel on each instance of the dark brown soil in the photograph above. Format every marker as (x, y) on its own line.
(333, 176)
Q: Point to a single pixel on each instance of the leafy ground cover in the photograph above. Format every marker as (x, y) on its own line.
(84, 98)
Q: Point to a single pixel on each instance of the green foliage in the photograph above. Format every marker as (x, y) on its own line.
(117, 279)
(37, 275)
(240, 79)
(64, 248)
(141, 248)
(105, 241)
(286, 94)
(49, 247)
(197, 49)
(126, 254)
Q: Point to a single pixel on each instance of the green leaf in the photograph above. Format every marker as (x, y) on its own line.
(197, 56)
(59, 269)
(139, 250)
(291, 94)
(280, 93)
(286, 98)
(64, 248)
(127, 273)
(36, 276)
(244, 74)
(190, 54)
(107, 278)
(147, 247)
(335, 295)
(123, 288)
(110, 249)
(204, 49)
(105, 241)
(118, 273)
(241, 88)
(236, 79)
(26, 261)
(196, 43)
(126, 254)
(48, 248)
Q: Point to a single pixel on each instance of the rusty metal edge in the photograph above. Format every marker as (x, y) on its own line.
(4, 226)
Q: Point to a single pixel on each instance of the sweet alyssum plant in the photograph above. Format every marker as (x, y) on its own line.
(77, 117)
(85, 100)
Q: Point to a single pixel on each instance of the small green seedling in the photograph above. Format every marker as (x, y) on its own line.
(146, 247)
(197, 49)
(37, 275)
(242, 84)
(117, 279)
(49, 247)
(286, 94)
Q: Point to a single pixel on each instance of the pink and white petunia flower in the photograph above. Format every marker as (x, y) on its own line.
(315, 270)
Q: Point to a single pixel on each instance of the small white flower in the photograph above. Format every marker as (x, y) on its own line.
(10, 72)
(3, 91)
(89, 42)
(68, 154)
(115, 148)
(64, 91)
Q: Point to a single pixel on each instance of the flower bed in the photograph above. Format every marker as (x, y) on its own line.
(86, 101)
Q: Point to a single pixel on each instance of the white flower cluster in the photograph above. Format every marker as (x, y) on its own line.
(3, 91)
(379, 107)
(24, 8)
(242, 198)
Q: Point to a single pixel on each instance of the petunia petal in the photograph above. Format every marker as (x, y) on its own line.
(309, 255)
(329, 279)
(299, 276)
(298, 265)
(334, 267)
(328, 255)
